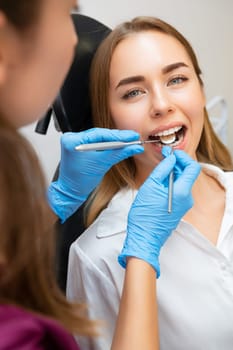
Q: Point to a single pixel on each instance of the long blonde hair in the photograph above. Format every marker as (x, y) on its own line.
(210, 149)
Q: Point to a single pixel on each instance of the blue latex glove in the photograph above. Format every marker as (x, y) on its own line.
(81, 172)
(149, 223)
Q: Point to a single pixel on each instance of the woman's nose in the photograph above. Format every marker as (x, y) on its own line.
(161, 103)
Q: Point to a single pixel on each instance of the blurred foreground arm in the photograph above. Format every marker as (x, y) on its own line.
(149, 226)
(137, 323)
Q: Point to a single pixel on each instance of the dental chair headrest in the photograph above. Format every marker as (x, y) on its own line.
(72, 108)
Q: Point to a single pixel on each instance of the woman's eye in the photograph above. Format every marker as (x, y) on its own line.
(132, 93)
(177, 80)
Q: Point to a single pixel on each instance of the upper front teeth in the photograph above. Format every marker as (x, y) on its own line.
(169, 131)
(168, 136)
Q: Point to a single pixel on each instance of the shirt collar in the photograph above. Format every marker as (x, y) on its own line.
(113, 219)
(225, 178)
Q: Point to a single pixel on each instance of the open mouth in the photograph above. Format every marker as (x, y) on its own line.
(172, 137)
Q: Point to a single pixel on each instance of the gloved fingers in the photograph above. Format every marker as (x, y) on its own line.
(117, 155)
(189, 174)
(163, 169)
(182, 158)
(103, 135)
(166, 151)
(98, 163)
(71, 139)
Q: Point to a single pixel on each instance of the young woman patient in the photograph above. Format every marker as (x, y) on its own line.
(145, 77)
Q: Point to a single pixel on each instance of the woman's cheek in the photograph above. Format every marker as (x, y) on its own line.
(133, 118)
(128, 123)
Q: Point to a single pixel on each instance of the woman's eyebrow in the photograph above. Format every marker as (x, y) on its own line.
(140, 78)
(173, 66)
(129, 80)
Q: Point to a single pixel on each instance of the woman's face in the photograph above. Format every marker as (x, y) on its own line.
(154, 90)
(37, 63)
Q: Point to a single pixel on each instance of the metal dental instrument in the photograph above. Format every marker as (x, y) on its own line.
(101, 146)
(170, 189)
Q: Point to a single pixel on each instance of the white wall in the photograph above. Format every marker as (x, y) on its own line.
(206, 24)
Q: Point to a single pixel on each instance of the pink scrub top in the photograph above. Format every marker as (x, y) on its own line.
(23, 330)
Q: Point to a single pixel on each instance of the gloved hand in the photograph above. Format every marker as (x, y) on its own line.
(149, 223)
(81, 172)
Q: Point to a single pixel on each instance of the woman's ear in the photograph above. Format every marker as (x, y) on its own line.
(3, 47)
(6, 37)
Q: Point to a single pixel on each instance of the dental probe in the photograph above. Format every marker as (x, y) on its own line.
(170, 189)
(101, 146)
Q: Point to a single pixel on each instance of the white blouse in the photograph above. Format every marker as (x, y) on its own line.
(194, 291)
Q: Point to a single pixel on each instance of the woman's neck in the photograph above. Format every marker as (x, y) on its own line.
(208, 209)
